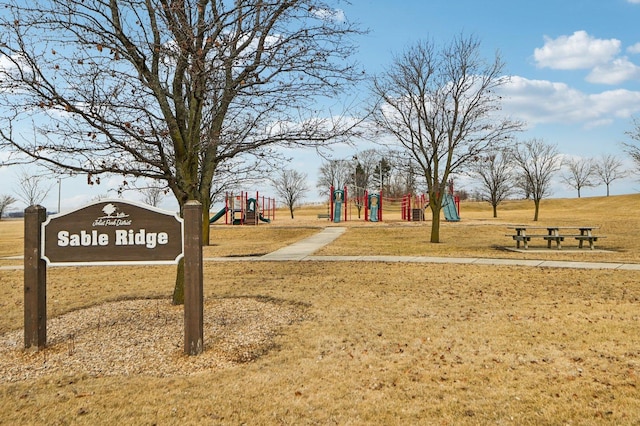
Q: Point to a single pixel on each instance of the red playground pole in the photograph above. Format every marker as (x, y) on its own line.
(346, 202)
(243, 205)
(366, 205)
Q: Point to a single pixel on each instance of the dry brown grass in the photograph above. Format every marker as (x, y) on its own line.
(11, 232)
(254, 241)
(382, 343)
(480, 235)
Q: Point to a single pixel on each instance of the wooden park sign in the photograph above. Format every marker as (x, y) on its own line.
(112, 232)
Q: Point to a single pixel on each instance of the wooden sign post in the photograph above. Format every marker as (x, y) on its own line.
(193, 291)
(112, 232)
(35, 280)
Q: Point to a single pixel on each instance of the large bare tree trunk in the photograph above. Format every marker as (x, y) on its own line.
(435, 203)
(435, 227)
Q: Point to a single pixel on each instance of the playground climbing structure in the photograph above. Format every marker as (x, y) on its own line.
(340, 205)
(414, 206)
(245, 210)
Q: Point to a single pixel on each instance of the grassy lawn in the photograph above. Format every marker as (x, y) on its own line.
(375, 343)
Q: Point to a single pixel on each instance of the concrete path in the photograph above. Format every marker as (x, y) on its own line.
(304, 248)
(479, 261)
(303, 251)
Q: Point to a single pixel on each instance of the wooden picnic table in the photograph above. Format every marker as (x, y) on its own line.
(554, 233)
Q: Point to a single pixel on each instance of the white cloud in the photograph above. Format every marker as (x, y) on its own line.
(615, 72)
(5, 62)
(634, 1)
(636, 47)
(579, 50)
(598, 123)
(541, 101)
(330, 14)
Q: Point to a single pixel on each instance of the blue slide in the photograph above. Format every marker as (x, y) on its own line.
(218, 215)
(264, 219)
(449, 207)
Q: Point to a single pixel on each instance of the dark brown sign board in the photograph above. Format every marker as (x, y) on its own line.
(113, 232)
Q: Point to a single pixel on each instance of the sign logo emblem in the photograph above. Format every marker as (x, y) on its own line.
(113, 232)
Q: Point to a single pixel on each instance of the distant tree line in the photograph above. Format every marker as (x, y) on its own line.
(370, 170)
(525, 169)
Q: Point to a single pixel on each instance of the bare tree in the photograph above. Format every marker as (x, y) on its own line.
(521, 182)
(365, 164)
(608, 169)
(399, 174)
(381, 174)
(334, 173)
(359, 186)
(153, 194)
(442, 107)
(633, 148)
(170, 90)
(538, 162)
(291, 185)
(497, 178)
(580, 173)
(5, 203)
(32, 188)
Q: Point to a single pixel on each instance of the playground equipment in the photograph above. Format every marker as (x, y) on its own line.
(219, 214)
(338, 201)
(451, 207)
(339, 205)
(244, 210)
(373, 207)
(451, 204)
(414, 206)
(252, 214)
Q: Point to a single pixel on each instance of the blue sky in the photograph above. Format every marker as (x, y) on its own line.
(529, 35)
(575, 65)
(575, 68)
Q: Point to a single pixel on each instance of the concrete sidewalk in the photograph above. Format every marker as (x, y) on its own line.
(477, 261)
(304, 248)
(303, 251)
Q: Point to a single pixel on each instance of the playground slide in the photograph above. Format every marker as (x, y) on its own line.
(264, 219)
(218, 215)
(449, 207)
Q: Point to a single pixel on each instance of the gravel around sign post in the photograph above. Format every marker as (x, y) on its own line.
(144, 337)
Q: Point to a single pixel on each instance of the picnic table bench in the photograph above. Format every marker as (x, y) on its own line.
(324, 216)
(555, 234)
